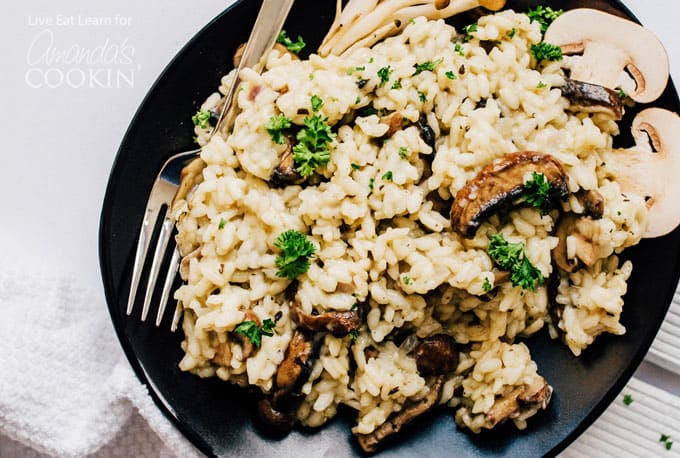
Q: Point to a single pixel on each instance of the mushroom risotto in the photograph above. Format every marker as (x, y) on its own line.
(383, 227)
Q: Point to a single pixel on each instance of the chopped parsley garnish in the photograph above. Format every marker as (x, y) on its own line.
(668, 443)
(546, 51)
(396, 85)
(311, 76)
(628, 399)
(358, 100)
(387, 176)
(622, 94)
(355, 69)
(422, 96)
(371, 182)
(317, 103)
(384, 75)
(201, 119)
(469, 30)
(406, 279)
(312, 148)
(664, 438)
(537, 192)
(459, 49)
(253, 332)
(355, 166)
(426, 66)
(353, 335)
(544, 16)
(296, 249)
(450, 75)
(486, 285)
(292, 46)
(412, 21)
(403, 152)
(512, 33)
(541, 85)
(223, 222)
(512, 257)
(274, 127)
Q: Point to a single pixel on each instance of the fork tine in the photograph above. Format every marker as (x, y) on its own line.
(167, 285)
(163, 238)
(148, 224)
(176, 317)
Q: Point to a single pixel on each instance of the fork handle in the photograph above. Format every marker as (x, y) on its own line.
(266, 30)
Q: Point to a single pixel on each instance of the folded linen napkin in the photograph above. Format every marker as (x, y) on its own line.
(65, 386)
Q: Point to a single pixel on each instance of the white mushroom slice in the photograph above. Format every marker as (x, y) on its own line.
(365, 22)
(611, 52)
(651, 168)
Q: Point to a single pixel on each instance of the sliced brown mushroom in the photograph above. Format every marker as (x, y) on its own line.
(279, 409)
(337, 323)
(393, 122)
(500, 184)
(651, 168)
(366, 22)
(436, 355)
(592, 98)
(592, 201)
(285, 173)
(537, 394)
(585, 233)
(612, 52)
(398, 420)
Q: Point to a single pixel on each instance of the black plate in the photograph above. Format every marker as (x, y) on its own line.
(217, 417)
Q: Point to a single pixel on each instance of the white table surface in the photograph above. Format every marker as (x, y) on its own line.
(59, 142)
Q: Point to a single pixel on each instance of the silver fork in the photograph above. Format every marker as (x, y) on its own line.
(165, 188)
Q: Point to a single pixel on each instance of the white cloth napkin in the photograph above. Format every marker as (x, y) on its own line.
(65, 386)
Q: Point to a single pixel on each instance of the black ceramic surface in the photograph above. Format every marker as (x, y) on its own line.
(217, 417)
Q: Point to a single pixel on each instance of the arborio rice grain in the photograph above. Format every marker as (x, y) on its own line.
(382, 241)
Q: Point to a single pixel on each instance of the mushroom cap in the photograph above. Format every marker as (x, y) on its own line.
(616, 52)
(651, 168)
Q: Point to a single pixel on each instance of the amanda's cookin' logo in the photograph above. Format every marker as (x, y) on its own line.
(106, 64)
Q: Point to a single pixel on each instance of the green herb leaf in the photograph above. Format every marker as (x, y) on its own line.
(426, 66)
(384, 75)
(353, 335)
(296, 250)
(469, 30)
(406, 279)
(371, 183)
(538, 192)
(355, 166)
(201, 119)
(541, 85)
(512, 257)
(544, 16)
(546, 51)
(317, 103)
(223, 222)
(621, 94)
(387, 176)
(486, 285)
(422, 96)
(274, 127)
(355, 69)
(253, 332)
(459, 49)
(292, 46)
(358, 100)
(450, 75)
(512, 33)
(664, 438)
(412, 21)
(669, 444)
(403, 152)
(396, 85)
(312, 148)
(628, 399)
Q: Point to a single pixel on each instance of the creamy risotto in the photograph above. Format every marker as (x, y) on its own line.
(397, 311)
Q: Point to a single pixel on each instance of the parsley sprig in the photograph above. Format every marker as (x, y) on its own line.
(512, 257)
(426, 66)
(201, 119)
(275, 126)
(296, 249)
(254, 333)
(312, 148)
(546, 51)
(537, 192)
(469, 30)
(544, 15)
(292, 46)
(384, 75)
